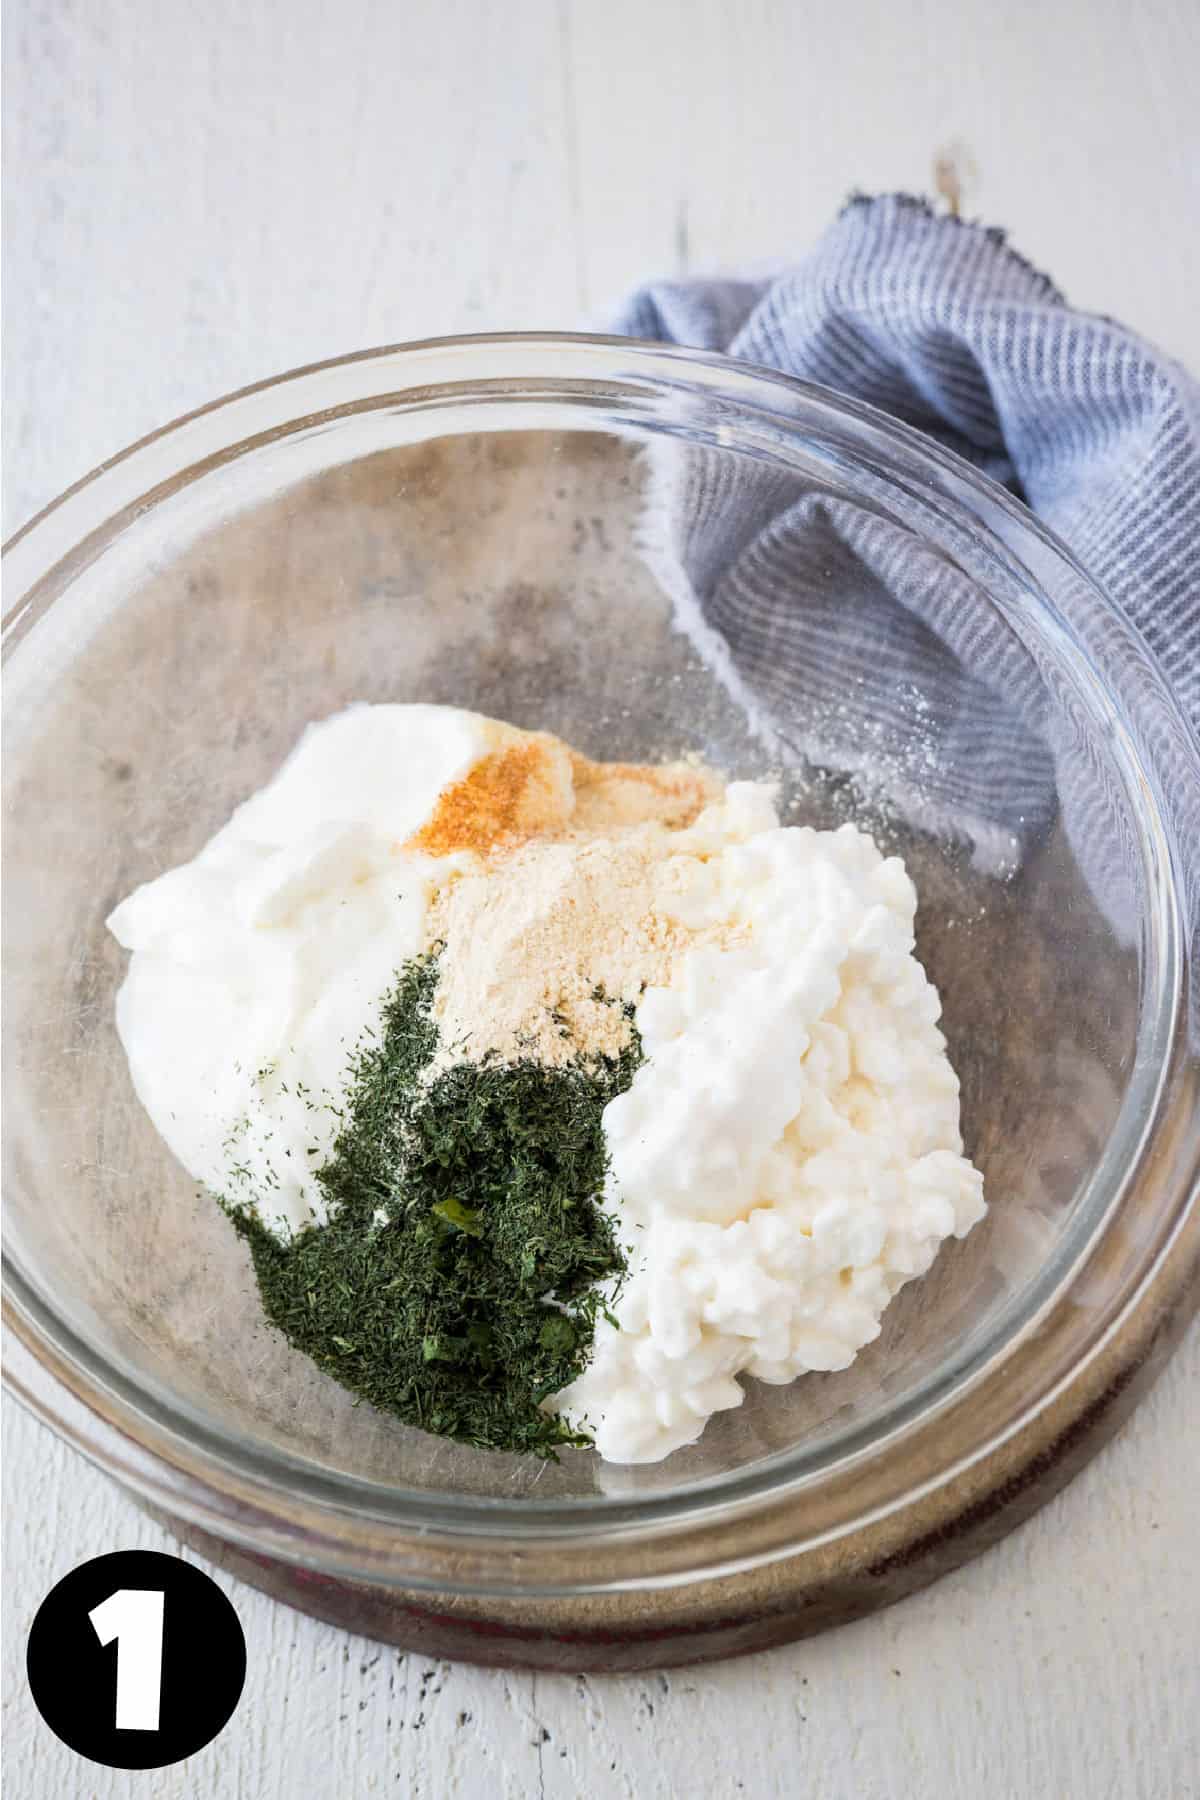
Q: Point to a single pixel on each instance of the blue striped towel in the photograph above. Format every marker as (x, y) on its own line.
(941, 324)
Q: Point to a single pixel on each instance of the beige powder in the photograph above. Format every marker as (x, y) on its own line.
(612, 796)
(529, 935)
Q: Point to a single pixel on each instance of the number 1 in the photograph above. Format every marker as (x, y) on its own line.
(134, 1616)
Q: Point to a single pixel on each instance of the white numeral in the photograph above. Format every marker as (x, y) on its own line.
(134, 1616)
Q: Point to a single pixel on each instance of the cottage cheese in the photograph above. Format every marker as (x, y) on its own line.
(789, 1153)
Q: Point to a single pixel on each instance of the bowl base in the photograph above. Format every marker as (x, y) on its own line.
(631, 1631)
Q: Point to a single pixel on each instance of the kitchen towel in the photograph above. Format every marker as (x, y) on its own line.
(938, 322)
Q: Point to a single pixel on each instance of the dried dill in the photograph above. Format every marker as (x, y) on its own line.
(455, 1282)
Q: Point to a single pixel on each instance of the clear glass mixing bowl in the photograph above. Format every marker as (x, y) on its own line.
(465, 522)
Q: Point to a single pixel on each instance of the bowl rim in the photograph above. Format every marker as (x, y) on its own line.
(735, 1522)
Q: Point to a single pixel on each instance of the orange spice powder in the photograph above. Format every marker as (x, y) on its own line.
(487, 807)
(525, 791)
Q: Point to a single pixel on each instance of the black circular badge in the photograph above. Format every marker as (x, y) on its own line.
(136, 1659)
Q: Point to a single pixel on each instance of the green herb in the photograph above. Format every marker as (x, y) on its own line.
(457, 1214)
(477, 1298)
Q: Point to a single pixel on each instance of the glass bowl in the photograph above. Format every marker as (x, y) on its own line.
(557, 531)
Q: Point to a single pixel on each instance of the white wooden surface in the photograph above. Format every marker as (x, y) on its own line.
(198, 196)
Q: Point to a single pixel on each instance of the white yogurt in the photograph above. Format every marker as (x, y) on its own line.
(258, 967)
